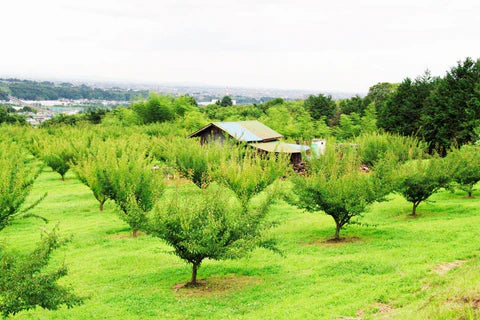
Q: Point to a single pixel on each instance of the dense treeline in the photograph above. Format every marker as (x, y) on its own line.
(45, 90)
(443, 111)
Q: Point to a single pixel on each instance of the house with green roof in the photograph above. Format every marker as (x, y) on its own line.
(253, 133)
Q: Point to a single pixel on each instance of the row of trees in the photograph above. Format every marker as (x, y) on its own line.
(27, 280)
(131, 171)
(443, 111)
(224, 213)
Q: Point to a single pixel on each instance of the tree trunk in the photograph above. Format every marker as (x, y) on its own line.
(470, 193)
(63, 177)
(194, 274)
(337, 230)
(414, 210)
(101, 205)
(134, 232)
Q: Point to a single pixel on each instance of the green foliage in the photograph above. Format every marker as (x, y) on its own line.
(335, 185)
(349, 127)
(216, 224)
(28, 281)
(320, 106)
(194, 119)
(293, 121)
(417, 180)
(226, 101)
(127, 175)
(380, 93)
(122, 116)
(452, 111)
(374, 146)
(10, 118)
(248, 174)
(45, 90)
(355, 104)
(465, 167)
(193, 160)
(90, 171)
(183, 104)
(210, 224)
(403, 109)
(57, 153)
(157, 108)
(352, 125)
(16, 180)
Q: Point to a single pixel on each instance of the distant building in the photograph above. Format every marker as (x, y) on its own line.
(254, 134)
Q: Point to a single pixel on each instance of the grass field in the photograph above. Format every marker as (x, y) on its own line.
(394, 266)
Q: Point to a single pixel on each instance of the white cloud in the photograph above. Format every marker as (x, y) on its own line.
(321, 45)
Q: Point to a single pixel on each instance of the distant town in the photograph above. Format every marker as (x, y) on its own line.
(39, 101)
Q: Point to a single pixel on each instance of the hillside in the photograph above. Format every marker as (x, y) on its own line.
(46, 90)
(396, 267)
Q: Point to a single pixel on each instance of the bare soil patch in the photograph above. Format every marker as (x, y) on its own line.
(473, 302)
(214, 285)
(443, 268)
(383, 307)
(334, 242)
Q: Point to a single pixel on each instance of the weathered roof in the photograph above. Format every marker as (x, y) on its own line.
(278, 146)
(247, 131)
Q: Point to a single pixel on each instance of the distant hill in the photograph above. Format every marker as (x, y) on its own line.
(46, 90)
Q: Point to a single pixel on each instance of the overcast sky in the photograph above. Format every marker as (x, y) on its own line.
(316, 45)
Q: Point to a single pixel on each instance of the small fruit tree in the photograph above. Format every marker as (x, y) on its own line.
(335, 185)
(215, 223)
(418, 180)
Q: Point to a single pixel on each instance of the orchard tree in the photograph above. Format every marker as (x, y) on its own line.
(90, 172)
(465, 167)
(130, 178)
(209, 224)
(16, 182)
(247, 174)
(418, 180)
(335, 185)
(26, 281)
(215, 223)
(157, 108)
(57, 153)
(194, 161)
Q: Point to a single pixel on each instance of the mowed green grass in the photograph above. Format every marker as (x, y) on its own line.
(385, 269)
